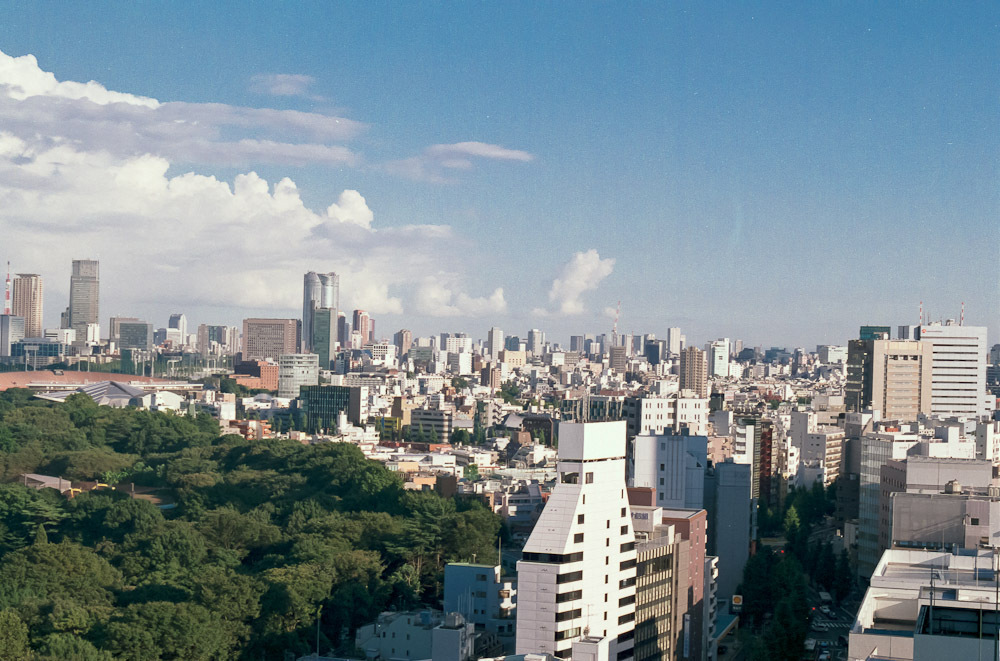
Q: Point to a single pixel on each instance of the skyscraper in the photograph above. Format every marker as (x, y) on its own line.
(536, 341)
(576, 579)
(361, 325)
(319, 290)
(324, 339)
(674, 341)
(178, 322)
(270, 338)
(11, 331)
(494, 343)
(84, 296)
(403, 339)
(694, 371)
(28, 302)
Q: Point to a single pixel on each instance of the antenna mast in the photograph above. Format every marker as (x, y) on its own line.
(961, 320)
(614, 330)
(921, 313)
(6, 300)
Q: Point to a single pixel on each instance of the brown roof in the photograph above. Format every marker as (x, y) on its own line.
(43, 377)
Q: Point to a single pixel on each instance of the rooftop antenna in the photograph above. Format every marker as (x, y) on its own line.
(6, 300)
(961, 319)
(921, 313)
(614, 330)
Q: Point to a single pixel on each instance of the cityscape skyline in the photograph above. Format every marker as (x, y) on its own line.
(783, 189)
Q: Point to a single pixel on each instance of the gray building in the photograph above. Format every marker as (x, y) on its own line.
(11, 331)
(731, 521)
(84, 296)
(134, 334)
(319, 291)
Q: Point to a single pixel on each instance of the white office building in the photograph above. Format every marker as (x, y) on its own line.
(576, 581)
(494, 343)
(674, 341)
(718, 358)
(958, 369)
(296, 370)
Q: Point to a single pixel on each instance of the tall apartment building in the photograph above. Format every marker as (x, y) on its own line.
(319, 291)
(893, 377)
(84, 297)
(576, 581)
(958, 369)
(270, 338)
(27, 302)
(694, 372)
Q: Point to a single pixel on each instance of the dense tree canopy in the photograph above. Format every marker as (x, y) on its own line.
(258, 535)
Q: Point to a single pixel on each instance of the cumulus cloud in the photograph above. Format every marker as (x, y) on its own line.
(435, 161)
(281, 84)
(582, 273)
(89, 172)
(434, 299)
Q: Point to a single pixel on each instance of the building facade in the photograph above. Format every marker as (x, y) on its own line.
(27, 302)
(270, 338)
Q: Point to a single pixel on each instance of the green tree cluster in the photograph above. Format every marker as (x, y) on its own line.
(263, 536)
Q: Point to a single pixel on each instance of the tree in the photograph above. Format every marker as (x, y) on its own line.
(460, 437)
(791, 522)
(13, 637)
(843, 577)
(471, 472)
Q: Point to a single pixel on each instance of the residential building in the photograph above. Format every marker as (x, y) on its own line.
(694, 372)
(27, 302)
(296, 370)
(434, 424)
(657, 415)
(480, 595)
(270, 338)
(576, 579)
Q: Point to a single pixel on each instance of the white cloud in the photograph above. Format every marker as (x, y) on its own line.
(435, 299)
(23, 78)
(281, 84)
(351, 207)
(433, 164)
(582, 273)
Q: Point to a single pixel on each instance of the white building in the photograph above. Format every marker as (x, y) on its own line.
(656, 415)
(494, 343)
(958, 369)
(296, 370)
(674, 466)
(718, 358)
(576, 580)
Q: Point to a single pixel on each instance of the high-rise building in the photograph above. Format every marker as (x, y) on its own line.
(362, 325)
(403, 339)
(114, 327)
(217, 340)
(319, 291)
(27, 302)
(494, 343)
(576, 579)
(11, 331)
(296, 370)
(618, 360)
(958, 369)
(536, 341)
(84, 296)
(694, 371)
(324, 339)
(135, 335)
(892, 377)
(270, 338)
(674, 341)
(718, 357)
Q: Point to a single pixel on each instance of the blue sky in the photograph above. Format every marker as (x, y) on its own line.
(775, 172)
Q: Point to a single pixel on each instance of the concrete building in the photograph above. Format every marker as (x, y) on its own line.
(494, 343)
(362, 325)
(323, 405)
(214, 340)
(11, 331)
(135, 334)
(958, 369)
(536, 342)
(403, 339)
(674, 342)
(27, 302)
(674, 466)
(577, 576)
(178, 322)
(480, 595)
(893, 377)
(269, 338)
(694, 372)
(324, 341)
(296, 370)
(929, 605)
(731, 521)
(435, 424)
(84, 297)
(114, 327)
(319, 291)
(718, 358)
(415, 635)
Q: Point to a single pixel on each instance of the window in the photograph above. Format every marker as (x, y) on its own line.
(570, 577)
(480, 577)
(627, 564)
(568, 615)
(569, 633)
(629, 617)
(579, 518)
(624, 510)
(627, 601)
(628, 546)
(578, 537)
(569, 596)
(661, 467)
(570, 478)
(552, 558)
(974, 521)
(589, 478)
(624, 530)
(607, 541)
(661, 481)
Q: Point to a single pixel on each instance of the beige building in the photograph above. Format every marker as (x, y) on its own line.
(27, 302)
(901, 379)
(694, 371)
(270, 338)
(513, 358)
